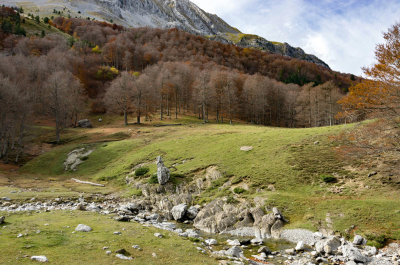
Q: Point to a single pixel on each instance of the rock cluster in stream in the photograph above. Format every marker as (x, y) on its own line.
(308, 247)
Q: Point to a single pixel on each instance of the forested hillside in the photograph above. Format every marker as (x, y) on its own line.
(152, 73)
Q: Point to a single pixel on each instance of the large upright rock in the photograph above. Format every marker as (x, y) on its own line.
(271, 224)
(162, 172)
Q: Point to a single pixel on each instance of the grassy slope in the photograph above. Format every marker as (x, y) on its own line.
(61, 246)
(285, 158)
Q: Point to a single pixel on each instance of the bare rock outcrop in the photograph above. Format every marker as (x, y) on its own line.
(163, 173)
(75, 158)
(219, 216)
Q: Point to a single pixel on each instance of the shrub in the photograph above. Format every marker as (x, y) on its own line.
(153, 179)
(328, 179)
(231, 200)
(237, 180)
(177, 175)
(238, 190)
(136, 192)
(377, 241)
(141, 171)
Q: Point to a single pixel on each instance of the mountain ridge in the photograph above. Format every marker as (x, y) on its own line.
(181, 14)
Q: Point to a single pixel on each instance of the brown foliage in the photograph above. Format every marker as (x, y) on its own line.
(379, 95)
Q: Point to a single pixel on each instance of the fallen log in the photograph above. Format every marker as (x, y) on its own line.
(88, 182)
(165, 125)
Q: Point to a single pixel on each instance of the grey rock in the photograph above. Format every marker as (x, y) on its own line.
(83, 228)
(163, 173)
(117, 233)
(290, 251)
(300, 246)
(108, 252)
(80, 207)
(359, 240)
(179, 211)
(234, 242)
(265, 250)
(39, 258)
(85, 123)
(234, 251)
(370, 251)
(2, 219)
(328, 246)
(296, 235)
(158, 235)
(351, 263)
(246, 148)
(121, 256)
(123, 218)
(354, 254)
(381, 261)
(256, 241)
(192, 234)
(75, 158)
(211, 241)
(192, 212)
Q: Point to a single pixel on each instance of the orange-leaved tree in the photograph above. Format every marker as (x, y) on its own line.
(379, 95)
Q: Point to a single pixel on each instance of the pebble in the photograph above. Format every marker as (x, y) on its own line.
(121, 256)
(158, 235)
(39, 258)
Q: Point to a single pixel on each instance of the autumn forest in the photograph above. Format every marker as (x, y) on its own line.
(147, 74)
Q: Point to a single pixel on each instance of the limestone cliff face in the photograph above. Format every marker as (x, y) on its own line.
(181, 14)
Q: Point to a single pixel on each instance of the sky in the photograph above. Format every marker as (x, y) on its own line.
(343, 33)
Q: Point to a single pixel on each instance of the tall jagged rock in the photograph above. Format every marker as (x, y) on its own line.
(163, 173)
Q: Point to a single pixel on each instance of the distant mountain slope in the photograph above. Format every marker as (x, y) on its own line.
(182, 14)
(254, 41)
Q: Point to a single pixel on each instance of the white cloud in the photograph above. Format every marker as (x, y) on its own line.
(342, 33)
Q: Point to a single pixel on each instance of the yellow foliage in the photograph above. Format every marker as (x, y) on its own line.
(96, 49)
(114, 70)
(135, 74)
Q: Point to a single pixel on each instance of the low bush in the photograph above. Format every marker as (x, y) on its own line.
(141, 171)
(377, 241)
(153, 179)
(238, 190)
(231, 200)
(328, 179)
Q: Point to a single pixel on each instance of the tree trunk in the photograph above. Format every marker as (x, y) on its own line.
(125, 118)
(204, 112)
(176, 106)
